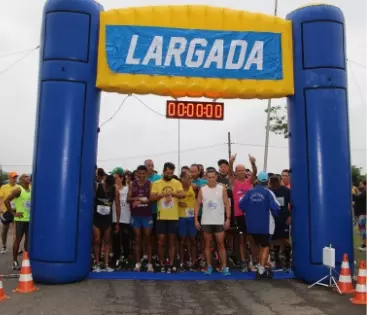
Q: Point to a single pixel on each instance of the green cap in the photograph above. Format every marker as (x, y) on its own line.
(117, 171)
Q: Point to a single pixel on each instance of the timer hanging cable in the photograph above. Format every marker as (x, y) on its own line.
(115, 113)
(148, 107)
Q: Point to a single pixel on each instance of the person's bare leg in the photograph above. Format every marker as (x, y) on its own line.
(148, 244)
(172, 248)
(242, 247)
(208, 237)
(161, 245)
(182, 249)
(96, 243)
(138, 238)
(107, 245)
(220, 237)
(4, 234)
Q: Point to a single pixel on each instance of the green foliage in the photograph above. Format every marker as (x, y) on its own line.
(3, 176)
(357, 175)
(279, 120)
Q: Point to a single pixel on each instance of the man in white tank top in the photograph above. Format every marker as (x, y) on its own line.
(215, 218)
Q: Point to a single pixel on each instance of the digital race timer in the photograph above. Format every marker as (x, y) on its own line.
(195, 110)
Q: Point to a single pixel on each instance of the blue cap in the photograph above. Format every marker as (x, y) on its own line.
(263, 177)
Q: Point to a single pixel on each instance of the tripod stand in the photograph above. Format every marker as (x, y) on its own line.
(328, 260)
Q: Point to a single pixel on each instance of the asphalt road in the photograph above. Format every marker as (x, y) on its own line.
(102, 297)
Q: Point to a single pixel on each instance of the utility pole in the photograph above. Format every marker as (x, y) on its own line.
(268, 114)
(229, 145)
(179, 147)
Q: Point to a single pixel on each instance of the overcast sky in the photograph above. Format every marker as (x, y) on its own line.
(154, 136)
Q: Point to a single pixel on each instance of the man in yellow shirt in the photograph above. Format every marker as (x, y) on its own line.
(167, 191)
(5, 191)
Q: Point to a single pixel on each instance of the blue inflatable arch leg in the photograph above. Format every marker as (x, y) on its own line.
(319, 141)
(65, 143)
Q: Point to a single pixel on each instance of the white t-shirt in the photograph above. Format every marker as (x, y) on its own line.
(213, 205)
(125, 215)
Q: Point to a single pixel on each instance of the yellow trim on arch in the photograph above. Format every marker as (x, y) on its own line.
(196, 17)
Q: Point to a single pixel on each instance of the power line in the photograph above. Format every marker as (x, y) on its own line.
(19, 60)
(280, 147)
(148, 107)
(17, 52)
(115, 113)
(160, 154)
(356, 83)
(357, 63)
(259, 145)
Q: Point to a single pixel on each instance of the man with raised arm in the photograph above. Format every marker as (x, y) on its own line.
(240, 186)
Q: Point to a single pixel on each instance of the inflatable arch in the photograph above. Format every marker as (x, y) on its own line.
(301, 57)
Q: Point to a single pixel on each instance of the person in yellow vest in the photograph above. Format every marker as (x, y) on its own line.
(6, 218)
(20, 197)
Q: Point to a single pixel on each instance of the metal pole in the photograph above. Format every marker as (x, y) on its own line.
(268, 115)
(229, 146)
(179, 146)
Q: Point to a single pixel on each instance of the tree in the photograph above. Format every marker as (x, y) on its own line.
(279, 120)
(357, 175)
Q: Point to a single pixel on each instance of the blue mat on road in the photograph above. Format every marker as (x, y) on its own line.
(182, 276)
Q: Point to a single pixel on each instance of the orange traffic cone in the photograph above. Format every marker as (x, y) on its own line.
(3, 297)
(345, 279)
(25, 284)
(360, 297)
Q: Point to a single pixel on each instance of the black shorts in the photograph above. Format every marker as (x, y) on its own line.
(241, 225)
(102, 222)
(166, 227)
(281, 231)
(262, 240)
(212, 228)
(21, 228)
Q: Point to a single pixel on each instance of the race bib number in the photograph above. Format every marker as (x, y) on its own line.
(27, 205)
(281, 201)
(212, 205)
(167, 203)
(103, 210)
(189, 213)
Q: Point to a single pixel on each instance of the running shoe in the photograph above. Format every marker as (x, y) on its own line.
(137, 267)
(16, 265)
(226, 271)
(150, 268)
(96, 268)
(3, 250)
(208, 271)
(108, 269)
(244, 266)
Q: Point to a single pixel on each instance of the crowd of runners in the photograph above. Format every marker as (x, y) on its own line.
(205, 219)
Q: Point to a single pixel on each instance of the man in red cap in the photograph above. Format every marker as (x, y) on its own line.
(6, 218)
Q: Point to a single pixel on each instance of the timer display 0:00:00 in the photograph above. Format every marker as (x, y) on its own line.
(195, 110)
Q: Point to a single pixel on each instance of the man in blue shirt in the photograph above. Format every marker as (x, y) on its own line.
(261, 208)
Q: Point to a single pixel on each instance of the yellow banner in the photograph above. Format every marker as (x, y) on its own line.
(195, 51)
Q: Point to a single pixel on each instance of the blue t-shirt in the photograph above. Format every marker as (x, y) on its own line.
(153, 178)
(200, 182)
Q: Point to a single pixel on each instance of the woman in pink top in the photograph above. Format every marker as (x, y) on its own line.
(241, 185)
